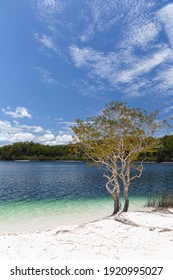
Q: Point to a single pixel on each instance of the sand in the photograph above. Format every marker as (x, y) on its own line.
(129, 236)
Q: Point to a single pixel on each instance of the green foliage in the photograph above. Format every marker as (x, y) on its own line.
(118, 138)
(166, 151)
(37, 152)
(163, 201)
(119, 131)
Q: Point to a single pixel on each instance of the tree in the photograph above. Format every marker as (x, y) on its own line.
(115, 139)
(166, 153)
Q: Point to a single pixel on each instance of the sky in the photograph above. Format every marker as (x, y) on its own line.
(66, 59)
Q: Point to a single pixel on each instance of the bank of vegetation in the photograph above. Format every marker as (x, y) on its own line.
(38, 152)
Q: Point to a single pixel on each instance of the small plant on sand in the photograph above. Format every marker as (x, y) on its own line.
(163, 201)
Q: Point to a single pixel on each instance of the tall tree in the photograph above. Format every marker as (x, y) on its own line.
(115, 139)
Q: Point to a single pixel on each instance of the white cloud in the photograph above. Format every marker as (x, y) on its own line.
(47, 137)
(49, 3)
(132, 28)
(63, 139)
(46, 8)
(14, 127)
(67, 123)
(46, 76)
(15, 132)
(145, 65)
(139, 23)
(22, 137)
(87, 34)
(85, 56)
(46, 41)
(163, 82)
(168, 109)
(20, 112)
(12, 137)
(142, 34)
(115, 68)
(134, 90)
(4, 136)
(35, 129)
(166, 15)
(6, 126)
(134, 16)
(51, 139)
(90, 88)
(135, 19)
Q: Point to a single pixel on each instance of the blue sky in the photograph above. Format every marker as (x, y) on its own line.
(64, 59)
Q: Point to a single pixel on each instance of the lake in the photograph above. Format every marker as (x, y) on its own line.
(43, 195)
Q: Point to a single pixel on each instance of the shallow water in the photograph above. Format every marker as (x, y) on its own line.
(37, 215)
(36, 196)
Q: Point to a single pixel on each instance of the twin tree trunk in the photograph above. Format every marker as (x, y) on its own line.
(116, 198)
(126, 198)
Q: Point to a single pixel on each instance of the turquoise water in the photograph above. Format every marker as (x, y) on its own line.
(35, 196)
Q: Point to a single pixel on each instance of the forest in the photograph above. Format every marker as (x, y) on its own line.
(38, 152)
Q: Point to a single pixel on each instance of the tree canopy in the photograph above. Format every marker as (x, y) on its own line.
(116, 139)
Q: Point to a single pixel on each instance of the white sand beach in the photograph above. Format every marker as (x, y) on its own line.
(135, 235)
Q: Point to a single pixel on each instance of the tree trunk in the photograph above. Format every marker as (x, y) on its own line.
(116, 203)
(126, 198)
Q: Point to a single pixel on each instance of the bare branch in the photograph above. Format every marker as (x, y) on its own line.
(140, 172)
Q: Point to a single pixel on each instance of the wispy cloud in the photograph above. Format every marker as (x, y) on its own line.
(46, 76)
(168, 109)
(86, 87)
(136, 20)
(166, 16)
(20, 112)
(46, 42)
(67, 123)
(117, 68)
(32, 128)
(137, 60)
(165, 80)
(47, 8)
(141, 34)
(145, 65)
(132, 17)
(140, 24)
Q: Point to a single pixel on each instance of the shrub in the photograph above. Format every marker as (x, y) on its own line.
(163, 201)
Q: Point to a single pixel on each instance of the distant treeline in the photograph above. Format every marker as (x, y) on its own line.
(37, 152)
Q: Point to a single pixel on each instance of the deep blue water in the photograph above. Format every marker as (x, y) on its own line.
(33, 181)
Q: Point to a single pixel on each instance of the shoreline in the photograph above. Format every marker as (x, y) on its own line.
(61, 160)
(24, 217)
(131, 235)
